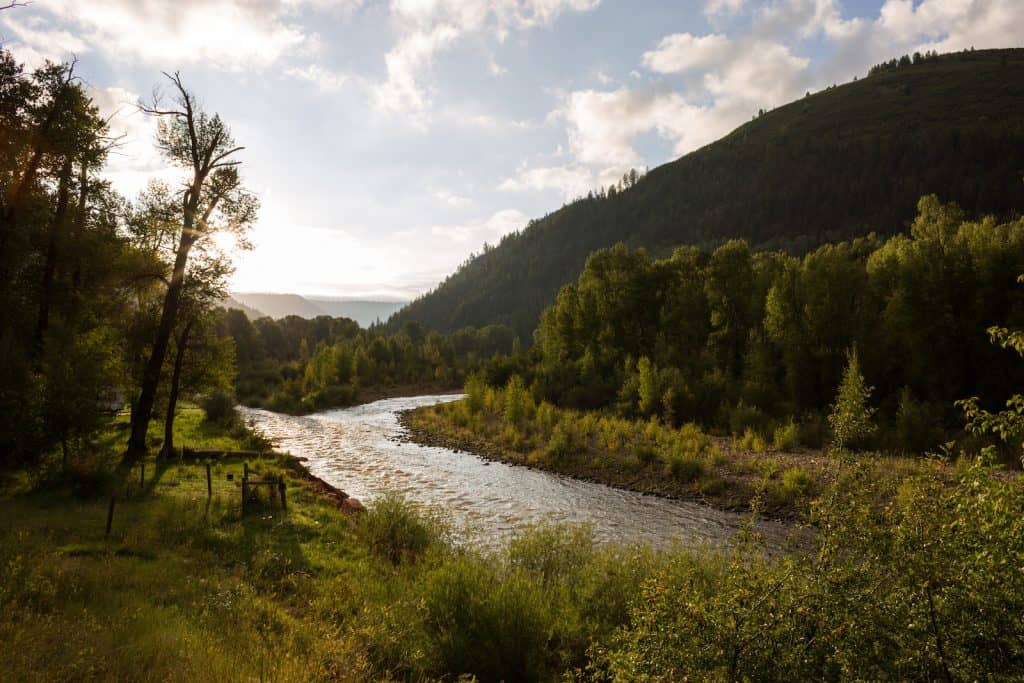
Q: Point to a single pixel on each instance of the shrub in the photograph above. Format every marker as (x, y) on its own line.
(786, 437)
(475, 390)
(564, 440)
(797, 482)
(685, 468)
(396, 532)
(518, 404)
(746, 417)
(547, 416)
(219, 406)
(693, 438)
(645, 455)
(752, 441)
(485, 623)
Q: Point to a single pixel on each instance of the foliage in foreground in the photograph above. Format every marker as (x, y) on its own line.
(916, 580)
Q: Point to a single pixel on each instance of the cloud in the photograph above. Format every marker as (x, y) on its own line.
(37, 42)
(713, 8)
(429, 27)
(681, 52)
(324, 79)
(492, 229)
(189, 31)
(453, 200)
(570, 181)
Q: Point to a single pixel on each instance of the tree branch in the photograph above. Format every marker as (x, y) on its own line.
(214, 163)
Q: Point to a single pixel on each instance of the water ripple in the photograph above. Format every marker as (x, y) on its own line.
(360, 451)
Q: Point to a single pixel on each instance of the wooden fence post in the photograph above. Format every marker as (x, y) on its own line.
(245, 493)
(142, 475)
(110, 517)
(280, 489)
(209, 482)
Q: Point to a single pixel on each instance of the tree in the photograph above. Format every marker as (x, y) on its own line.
(213, 200)
(204, 287)
(851, 416)
(1007, 424)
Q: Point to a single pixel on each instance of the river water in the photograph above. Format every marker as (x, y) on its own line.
(361, 451)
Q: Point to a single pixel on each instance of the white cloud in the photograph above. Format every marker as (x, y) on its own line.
(324, 79)
(569, 181)
(806, 18)
(489, 230)
(402, 92)
(948, 25)
(681, 52)
(452, 199)
(39, 42)
(187, 31)
(714, 8)
(761, 73)
(429, 27)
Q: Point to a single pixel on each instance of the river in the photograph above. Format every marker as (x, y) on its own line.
(361, 450)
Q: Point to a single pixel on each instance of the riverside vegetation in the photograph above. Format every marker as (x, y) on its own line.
(924, 586)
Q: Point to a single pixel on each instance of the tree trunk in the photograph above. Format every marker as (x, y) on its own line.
(172, 398)
(79, 230)
(52, 253)
(151, 377)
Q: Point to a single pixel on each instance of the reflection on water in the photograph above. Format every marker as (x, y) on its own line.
(359, 450)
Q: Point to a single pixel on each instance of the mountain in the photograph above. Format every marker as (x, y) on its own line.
(363, 312)
(278, 306)
(843, 162)
(250, 312)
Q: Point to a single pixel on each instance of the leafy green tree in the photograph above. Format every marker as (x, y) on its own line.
(852, 417)
(212, 201)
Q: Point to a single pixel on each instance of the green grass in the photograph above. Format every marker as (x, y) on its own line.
(186, 589)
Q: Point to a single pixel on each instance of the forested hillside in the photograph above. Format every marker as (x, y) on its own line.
(833, 165)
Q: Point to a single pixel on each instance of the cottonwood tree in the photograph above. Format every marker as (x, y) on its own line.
(212, 201)
(201, 360)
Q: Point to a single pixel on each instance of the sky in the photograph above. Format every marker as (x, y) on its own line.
(388, 141)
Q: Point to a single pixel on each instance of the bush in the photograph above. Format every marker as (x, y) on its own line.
(752, 441)
(475, 390)
(562, 443)
(786, 437)
(219, 406)
(685, 468)
(396, 532)
(745, 417)
(484, 623)
(645, 455)
(797, 482)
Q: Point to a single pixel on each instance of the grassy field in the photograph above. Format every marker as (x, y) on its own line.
(185, 588)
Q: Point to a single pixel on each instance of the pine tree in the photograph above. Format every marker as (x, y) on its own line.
(851, 418)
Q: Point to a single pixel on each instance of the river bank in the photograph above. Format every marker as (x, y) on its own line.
(361, 396)
(715, 471)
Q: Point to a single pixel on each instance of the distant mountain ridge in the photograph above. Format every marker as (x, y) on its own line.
(366, 313)
(833, 165)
